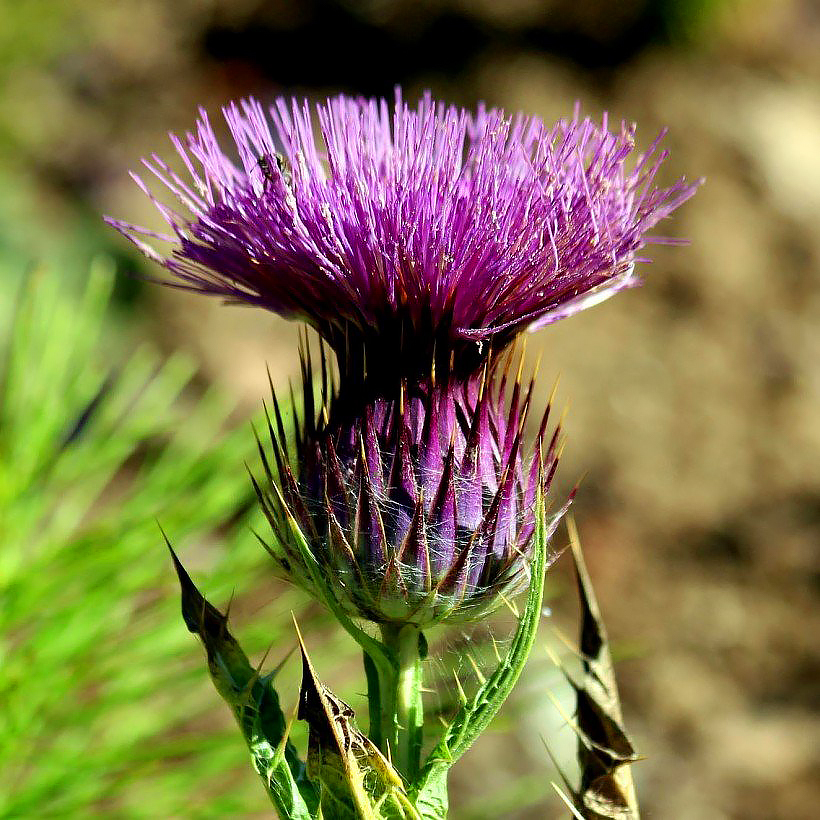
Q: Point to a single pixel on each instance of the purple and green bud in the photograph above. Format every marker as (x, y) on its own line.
(418, 508)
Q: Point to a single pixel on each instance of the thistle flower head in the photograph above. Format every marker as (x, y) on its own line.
(418, 242)
(416, 509)
(378, 225)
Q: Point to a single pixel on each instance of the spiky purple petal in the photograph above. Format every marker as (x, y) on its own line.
(408, 227)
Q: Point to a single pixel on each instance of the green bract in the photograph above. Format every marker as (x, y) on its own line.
(412, 510)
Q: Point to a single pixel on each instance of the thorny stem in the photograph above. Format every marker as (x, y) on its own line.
(397, 712)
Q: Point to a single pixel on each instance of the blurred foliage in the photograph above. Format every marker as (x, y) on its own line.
(99, 710)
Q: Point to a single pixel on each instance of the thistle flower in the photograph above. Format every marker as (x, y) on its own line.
(416, 509)
(403, 234)
(418, 243)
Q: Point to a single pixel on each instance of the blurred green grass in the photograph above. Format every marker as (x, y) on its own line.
(105, 699)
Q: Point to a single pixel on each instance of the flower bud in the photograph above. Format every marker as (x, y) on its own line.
(418, 508)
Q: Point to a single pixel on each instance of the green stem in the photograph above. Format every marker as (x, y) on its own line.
(399, 699)
(374, 704)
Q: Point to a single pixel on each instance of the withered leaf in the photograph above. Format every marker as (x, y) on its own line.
(356, 779)
(606, 790)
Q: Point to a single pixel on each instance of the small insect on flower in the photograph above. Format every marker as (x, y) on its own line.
(266, 167)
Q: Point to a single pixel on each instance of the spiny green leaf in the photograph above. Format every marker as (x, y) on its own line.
(254, 702)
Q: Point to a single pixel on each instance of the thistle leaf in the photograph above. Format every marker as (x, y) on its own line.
(254, 702)
(606, 791)
(356, 781)
(429, 793)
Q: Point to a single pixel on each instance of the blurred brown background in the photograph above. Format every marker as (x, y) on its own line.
(694, 400)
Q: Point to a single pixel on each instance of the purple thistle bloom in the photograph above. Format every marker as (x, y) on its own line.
(417, 510)
(426, 223)
(418, 243)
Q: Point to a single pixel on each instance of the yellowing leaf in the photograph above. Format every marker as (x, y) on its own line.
(356, 779)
